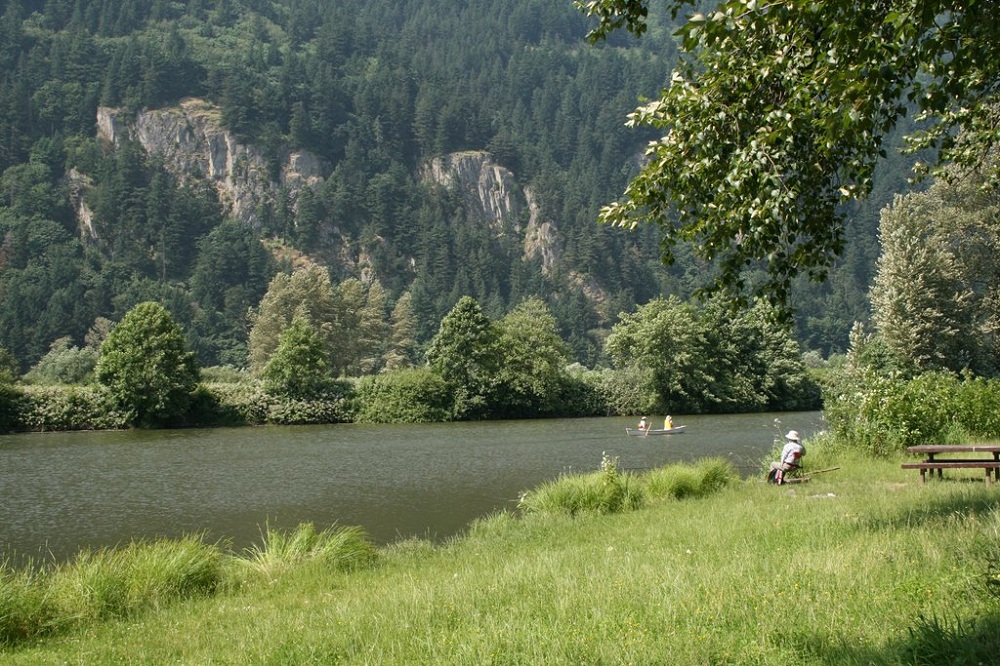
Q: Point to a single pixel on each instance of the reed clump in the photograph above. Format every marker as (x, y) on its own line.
(119, 583)
(682, 481)
(341, 548)
(611, 490)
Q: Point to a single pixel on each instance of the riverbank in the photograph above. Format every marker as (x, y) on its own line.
(862, 565)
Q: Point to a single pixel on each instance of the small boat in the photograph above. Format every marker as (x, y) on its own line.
(636, 432)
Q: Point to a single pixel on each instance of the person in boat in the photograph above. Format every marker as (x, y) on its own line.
(643, 424)
(668, 422)
(791, 456)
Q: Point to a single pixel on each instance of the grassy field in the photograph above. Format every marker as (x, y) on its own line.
(863, 565)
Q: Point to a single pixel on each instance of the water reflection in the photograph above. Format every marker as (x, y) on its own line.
(66, 491)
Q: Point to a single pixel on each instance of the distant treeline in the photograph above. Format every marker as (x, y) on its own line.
(668, 357)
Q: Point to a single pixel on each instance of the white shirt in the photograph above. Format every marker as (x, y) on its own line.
(792, 452)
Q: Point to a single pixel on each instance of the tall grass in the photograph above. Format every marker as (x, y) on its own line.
(606, 491)
(612, 491)
(343, 548)
(25, 611)
(103, 584)
(117, 583)
(680, 481)
(120, 582)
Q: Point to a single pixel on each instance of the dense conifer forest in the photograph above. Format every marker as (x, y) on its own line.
(374, 88)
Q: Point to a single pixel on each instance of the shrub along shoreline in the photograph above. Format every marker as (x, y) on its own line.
(684, 565)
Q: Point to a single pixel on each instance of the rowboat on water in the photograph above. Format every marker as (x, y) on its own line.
(636, 432)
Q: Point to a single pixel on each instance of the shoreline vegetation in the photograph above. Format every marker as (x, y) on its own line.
(476, 368)
(684, 564)
(409, 396)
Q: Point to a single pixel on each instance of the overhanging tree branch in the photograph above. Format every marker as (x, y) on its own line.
(776, 113)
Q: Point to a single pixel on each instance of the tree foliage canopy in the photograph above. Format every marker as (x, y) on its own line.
(685, 359)
(464, 353)
(534, 361)
(936, 296)
(777, 112)
(298, 367)
(147, 367)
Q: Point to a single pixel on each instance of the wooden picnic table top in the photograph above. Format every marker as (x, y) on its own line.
(932, 449)
(945, 448)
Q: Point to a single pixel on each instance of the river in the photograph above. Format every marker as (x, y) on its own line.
(63, 492)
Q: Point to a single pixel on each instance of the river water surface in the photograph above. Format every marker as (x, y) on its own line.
(63, 492)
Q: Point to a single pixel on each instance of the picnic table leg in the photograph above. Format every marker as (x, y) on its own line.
(923, 478)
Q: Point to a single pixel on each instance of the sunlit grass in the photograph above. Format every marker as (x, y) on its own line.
(864, 565)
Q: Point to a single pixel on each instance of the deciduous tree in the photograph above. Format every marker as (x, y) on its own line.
(402, 329)
(711, 359)
(775, 117)
(307, 292)
(663, 343)
(147, 367)
(65, 363)
(298, 368)
(533, 360)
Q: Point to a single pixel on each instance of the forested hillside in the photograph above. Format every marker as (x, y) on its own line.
(374, 89)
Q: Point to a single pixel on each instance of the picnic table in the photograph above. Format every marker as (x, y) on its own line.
(941, 457)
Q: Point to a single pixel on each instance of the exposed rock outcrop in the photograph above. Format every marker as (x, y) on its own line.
(78, 183)
(493, 197)
(191, 141)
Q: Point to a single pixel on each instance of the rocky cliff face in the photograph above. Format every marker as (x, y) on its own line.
(190, 140)
(192, 143)
(493, 197)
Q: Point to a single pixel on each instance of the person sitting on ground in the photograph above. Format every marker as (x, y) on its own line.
(643, 424)
(791, 455)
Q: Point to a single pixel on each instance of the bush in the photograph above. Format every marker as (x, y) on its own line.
(248, 403)
(405, 396)
(223, 374)
(240, 403)
(42, 408)
(11, 399)
(319, 410)
(882, 414)
(976, 401)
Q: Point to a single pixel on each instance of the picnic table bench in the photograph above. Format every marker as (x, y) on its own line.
(932, 460)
